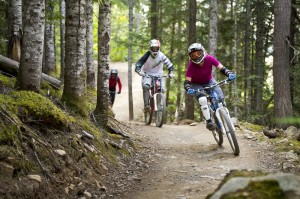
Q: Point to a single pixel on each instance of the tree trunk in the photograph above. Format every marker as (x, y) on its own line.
(130, 97)
(101, 110)
(154, 19)
(235, 55)
(247, 65)
(91, 71)
(30, 71)
(213, 27)
(10, 66)
(259, 56)
(179, 113)
(75, 71)
(15, 29)
(281, 70)
(49, 65)
(62, 7)
(213, 30)
(192, 10)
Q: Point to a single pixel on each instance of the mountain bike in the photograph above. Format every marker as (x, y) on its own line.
(219, 114)
(156, 102)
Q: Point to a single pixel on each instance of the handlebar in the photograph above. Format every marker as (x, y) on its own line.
(225, 81)
(156, 76)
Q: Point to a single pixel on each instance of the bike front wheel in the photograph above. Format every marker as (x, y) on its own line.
(161, 109)
(148, 112)
(218, 135)
(230, 131)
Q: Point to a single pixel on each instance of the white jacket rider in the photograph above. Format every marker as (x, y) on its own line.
(151, 63)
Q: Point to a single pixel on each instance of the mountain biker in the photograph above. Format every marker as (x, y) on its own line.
(151, 63)
(199, 75)
(114, 79)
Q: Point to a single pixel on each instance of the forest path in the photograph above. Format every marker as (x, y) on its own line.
(121, 107)
(186, 162)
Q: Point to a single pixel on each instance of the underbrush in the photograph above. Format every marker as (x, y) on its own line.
(62, 150)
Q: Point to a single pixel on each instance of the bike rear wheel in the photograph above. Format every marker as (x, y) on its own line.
(161, 109)
(148, 113)
(230, 132)
(218, 135)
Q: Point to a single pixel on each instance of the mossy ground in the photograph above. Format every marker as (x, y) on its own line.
(33, 126)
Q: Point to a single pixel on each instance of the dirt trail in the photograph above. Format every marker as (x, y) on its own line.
(186, 161)
(189, 163)
(121, 107)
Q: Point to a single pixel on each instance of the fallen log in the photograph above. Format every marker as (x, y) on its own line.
(10, 66)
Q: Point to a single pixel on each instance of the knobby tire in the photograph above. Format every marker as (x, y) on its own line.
(218, 135)
(161, 109)
(148, 114)
(230, 132)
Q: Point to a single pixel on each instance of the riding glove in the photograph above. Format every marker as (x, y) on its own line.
(231, 76)
(191, 91)
(142, 73)
(171, 74)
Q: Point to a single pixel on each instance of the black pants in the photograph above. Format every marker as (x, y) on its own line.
(112, 95)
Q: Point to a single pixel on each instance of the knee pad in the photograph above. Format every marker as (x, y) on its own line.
(146, 87)
(202, 101)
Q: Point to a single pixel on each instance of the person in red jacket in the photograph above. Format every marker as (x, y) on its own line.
(114, 79)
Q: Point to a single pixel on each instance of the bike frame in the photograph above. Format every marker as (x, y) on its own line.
(221, 115)
(156, 82)
(220, 106)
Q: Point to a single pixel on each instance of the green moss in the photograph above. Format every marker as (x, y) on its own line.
(30, 104)
(267, 189)
(252, 127)
(47, 89)
(9, 134)
(239, 173)
(76, 104)
(7, 81)
(286, 146)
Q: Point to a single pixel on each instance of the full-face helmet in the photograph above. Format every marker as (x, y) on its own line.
(154, 47)
(196, 53)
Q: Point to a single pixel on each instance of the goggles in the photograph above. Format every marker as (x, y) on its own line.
(154, 49)
(196, 54)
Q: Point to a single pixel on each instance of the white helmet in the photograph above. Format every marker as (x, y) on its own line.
(154, 47)
(194, 57)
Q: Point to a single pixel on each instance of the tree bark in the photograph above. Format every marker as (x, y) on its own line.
(213, 30)
(101, 110)
(247, 65)
(62, 8)
(192, 10)
(10, 66)
(15, 29)
(91, 71)
(154, 19)
(30, 71)
(259, 55)
(281, 70)
(49, 64)
(75, 69)
(130, 97)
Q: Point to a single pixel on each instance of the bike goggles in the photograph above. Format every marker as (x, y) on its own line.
(196, 54)
(154, 49)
